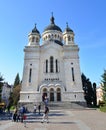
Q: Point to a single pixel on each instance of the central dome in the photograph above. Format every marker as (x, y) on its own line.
(52, 26)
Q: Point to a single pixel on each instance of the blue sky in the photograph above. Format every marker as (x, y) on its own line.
(86, 18)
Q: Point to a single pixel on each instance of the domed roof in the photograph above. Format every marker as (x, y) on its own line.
(35, 30)
(52, 26)
(68, 29)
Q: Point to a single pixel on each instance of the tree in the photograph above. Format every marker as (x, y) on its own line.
(88, 90)
(94, 95)
(104, 85)
(1, 84)
(17, 80)
(14, 96)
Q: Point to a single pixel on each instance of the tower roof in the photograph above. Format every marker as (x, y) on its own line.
(52, 26)
(35, 30)
(68, 29)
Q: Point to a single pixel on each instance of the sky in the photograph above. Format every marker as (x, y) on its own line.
(86, 18)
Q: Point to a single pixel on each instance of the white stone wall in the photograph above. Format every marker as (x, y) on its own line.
(35, 58)
(48, 50)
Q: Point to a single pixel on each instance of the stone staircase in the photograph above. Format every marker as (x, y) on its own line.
(53, 106)
(36, 117)
(32, 117)
(58, 105)
(67, 105)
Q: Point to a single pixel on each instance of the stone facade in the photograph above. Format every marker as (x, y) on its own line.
(51, 68)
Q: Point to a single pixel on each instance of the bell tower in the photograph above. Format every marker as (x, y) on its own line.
(34, 37)
(68, 36)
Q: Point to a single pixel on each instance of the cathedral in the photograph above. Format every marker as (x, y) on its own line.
(51, 68)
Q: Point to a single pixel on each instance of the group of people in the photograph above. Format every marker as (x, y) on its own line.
(46, 110)
(35, 108)
(19, 114)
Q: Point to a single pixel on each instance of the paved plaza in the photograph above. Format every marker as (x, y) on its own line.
(70, 119)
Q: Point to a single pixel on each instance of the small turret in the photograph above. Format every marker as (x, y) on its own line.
(68, 36)
(34, 37)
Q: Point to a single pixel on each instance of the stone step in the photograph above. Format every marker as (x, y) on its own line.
(58, 105)
(67, 105)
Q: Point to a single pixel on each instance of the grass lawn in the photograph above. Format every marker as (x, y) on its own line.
(103, 108)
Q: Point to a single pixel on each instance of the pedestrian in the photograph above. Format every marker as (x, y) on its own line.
(18, 116)
(24, 119)
(46, 101)
(21, 113)
(45, 115)
(14, 116)
(39, 108)
(21, 110)
(35, 108)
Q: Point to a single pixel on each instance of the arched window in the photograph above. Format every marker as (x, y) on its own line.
(30, 75)
(55, 36)
(69, 38)
(37, 40)
(56, 66)
(58, 94)
(72, 39)
(33, 39)
(51, 64)
(46, 66)
(48, 36)
(44, 94)
(51, 94)
(72, 69)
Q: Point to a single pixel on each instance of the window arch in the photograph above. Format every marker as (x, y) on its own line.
(72, 69)
(46, 66)
(55, 35)
(33, 39)
(37, 40)
(56, 66)
(44, 94)
(58, 94)
(49, 36)
(30, 74)
(51, 94)
(69, 38)
(51, 64)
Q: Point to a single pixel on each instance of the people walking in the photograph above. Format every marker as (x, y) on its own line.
(35, 108)
(18, 116)
(24, 119)
(39, 108)
(45, 115)
(14, 116)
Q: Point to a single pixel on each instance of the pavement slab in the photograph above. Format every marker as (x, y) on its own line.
(69, 119)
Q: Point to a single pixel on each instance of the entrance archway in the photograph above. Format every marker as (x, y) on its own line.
(44, 94)
(58, 94)
(51, 94)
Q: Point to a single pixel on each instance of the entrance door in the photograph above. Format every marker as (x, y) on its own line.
(51, 94)
(58, 94)
(44, 94)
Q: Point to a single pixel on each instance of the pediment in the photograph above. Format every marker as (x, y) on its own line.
(51, 46)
